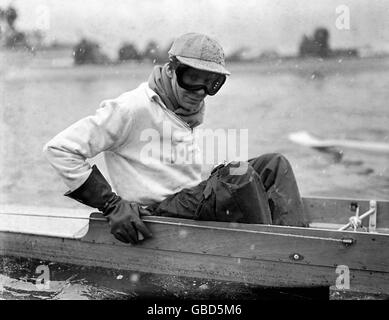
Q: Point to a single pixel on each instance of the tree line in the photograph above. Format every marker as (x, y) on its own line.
(10, 37)
(89, 52)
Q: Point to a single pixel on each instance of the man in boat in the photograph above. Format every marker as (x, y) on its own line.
(169, 107)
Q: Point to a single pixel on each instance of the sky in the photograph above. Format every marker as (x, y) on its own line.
(258, 25)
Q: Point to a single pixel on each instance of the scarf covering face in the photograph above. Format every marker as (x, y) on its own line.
(160, 83)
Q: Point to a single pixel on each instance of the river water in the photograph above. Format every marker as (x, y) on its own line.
(337, 99)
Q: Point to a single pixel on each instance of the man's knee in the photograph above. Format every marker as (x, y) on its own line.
(259, 163)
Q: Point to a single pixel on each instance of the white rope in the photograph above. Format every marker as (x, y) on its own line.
(181, 224)
(356, 221)
(51, 216)
(253, 231)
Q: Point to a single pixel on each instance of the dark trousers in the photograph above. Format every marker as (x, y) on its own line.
(278, 200)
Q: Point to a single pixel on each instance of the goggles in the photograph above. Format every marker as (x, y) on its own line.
(190, 79)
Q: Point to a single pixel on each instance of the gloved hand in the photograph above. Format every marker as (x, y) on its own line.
(123, 216)
(125, 222)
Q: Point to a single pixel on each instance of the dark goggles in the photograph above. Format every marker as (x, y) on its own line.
(211, 87)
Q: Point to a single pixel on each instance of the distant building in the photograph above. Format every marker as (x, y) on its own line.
(318, 46)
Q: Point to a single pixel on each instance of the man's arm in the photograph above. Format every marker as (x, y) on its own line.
(69, 150)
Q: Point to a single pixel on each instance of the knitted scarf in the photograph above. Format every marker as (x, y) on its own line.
(160, 83)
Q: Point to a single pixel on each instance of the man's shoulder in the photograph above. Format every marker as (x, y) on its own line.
(136, 99)
(133, 100)
(141, 94)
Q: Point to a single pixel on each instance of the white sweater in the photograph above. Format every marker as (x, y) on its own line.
(130, 130)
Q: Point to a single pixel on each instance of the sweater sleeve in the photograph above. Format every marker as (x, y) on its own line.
(68, 151)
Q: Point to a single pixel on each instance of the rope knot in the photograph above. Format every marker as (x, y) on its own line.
(355, 222)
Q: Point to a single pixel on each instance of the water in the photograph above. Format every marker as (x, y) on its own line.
(18, 280)
(332, 99)
(338, 99)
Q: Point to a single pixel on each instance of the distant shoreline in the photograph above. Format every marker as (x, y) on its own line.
(68, 48)
(49, 66)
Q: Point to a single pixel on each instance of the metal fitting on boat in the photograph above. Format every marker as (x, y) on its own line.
(296, 257)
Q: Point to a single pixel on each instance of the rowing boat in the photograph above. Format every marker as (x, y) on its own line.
(344, 247)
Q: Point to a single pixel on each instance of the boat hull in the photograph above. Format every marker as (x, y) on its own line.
(262, 255)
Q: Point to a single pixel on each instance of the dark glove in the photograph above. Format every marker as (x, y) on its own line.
(123, 216)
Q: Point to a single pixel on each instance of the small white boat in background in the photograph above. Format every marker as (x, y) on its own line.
(306, 139)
